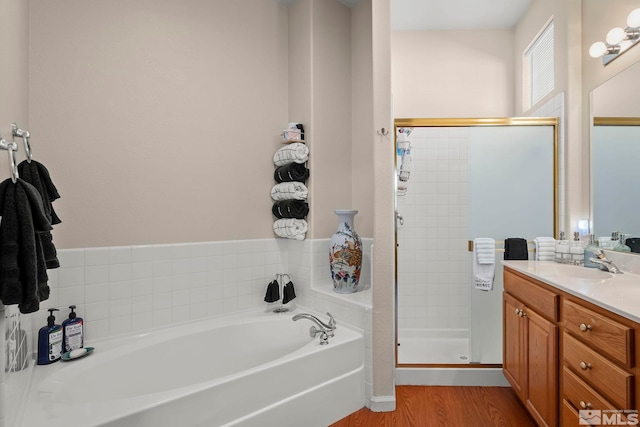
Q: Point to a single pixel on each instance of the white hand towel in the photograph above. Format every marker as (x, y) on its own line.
(293, 190)
(484, 263)
(290, 228)
(292, 153)
(545, 248)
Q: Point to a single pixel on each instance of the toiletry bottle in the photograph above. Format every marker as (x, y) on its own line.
(577, 249)
(563, 253)
(50, 341)
(621, 247)
(590, 252)
(72, 330)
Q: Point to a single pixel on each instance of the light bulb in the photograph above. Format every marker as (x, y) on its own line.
(616, 35)
(633, 20)
(598, 49)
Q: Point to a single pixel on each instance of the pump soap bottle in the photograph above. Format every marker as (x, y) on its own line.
(577, 249)
(50, 341)
(590, 252)
(563, 253)
(72, 331)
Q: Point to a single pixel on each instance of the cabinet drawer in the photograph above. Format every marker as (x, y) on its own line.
(599, 331)
(569, 416)
(544, 302)
(580, 394)
(603, 375)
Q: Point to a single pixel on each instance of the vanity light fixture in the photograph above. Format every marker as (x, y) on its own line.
(618, 39)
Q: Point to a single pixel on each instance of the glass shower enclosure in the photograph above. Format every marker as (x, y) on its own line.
(461, 179)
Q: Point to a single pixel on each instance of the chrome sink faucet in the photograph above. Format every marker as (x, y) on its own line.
(325, 329)
(604, 263)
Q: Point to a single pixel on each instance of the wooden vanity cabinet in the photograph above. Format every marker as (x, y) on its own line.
(530, 347)
(563, 354)
(599, 359)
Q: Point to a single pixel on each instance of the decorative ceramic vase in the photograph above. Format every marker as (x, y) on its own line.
(345, 254)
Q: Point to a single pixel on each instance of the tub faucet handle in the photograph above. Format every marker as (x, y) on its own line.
(332, 321)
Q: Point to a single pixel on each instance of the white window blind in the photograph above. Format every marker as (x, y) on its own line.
(538, 68)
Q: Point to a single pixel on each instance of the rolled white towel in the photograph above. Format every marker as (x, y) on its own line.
(292, 153)
(545, 248)
(290, 228)
(293, 190)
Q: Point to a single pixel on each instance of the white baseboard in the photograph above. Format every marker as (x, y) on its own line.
(488, 377)
(383, 403)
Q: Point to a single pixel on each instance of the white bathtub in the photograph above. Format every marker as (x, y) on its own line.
(255, 369)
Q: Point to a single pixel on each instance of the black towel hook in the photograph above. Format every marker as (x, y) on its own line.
(11, 147)
(25, 135)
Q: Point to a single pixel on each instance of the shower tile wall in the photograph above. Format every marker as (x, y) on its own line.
(433, 265)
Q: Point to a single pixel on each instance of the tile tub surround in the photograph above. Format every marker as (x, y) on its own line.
(119, 290)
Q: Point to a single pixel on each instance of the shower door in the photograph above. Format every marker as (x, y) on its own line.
(465, 182)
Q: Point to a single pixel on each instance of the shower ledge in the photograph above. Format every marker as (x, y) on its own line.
(362, 299)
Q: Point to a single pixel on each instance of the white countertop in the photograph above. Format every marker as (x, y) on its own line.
(619, 293)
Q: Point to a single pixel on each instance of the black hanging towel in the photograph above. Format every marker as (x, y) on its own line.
(288, 292)
(515, 248)
(273, 292)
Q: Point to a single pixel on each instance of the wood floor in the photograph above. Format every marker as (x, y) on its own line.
(418, 406)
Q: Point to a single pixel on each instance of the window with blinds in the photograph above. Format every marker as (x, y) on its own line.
(538, 67)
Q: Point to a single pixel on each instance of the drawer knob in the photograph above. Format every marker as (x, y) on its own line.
(584, 327)
(518, 311)
(522, 314)
(585, 405)
(585, 365)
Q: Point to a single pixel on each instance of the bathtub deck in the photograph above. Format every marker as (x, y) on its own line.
(447, 406)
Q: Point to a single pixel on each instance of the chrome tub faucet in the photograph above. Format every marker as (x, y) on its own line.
(325, 330)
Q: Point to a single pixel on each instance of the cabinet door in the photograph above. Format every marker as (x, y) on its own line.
(514, 364)
(542, 358)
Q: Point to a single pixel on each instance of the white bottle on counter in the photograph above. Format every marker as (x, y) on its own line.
(563, 252)
(576, 248)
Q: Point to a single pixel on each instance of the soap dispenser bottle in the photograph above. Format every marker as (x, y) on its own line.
(72, 331)
(577, 249)
(621, 247)
(591, 252)
(563, 253)
(50, 341)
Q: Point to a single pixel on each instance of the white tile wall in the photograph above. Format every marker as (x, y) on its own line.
(432, 272)
(131, 288)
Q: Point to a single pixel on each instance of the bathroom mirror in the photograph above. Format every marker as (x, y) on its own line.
(615, 155)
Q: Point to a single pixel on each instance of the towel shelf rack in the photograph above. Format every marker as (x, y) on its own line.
(501, 242)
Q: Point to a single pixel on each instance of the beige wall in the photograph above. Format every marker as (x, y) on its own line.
(383, 258)
(362, 133)
(330, 147)
(452, 73)
(14, 73)
(155, 127)
(568, 80)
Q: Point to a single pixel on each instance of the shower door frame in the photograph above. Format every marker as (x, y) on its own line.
(467, 122)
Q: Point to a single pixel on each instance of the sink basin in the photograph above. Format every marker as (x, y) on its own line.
(578, 272)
